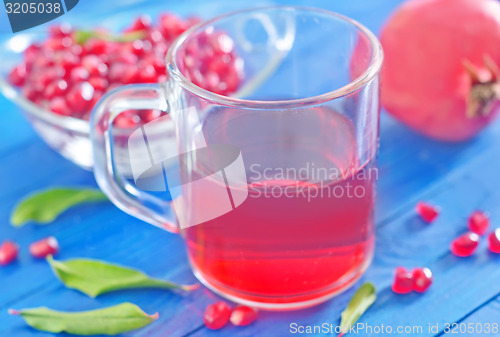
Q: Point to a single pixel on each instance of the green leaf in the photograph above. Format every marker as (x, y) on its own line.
(360, 302)
(43, 207)
(82, 36)
(108, 321)
(94, 277)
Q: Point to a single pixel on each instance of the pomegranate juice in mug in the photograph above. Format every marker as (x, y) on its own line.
(274, 197)
(305, 229)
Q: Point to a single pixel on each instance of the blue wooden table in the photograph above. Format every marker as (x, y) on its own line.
(460, 178)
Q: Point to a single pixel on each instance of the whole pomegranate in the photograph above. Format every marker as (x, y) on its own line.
(440, 74)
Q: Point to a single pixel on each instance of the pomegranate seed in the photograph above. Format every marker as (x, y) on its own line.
(94, 65)
(69, 61)
(42, 248)
(97, 97)
(51, 74)
(171, 26)
(149, 115)
(403, 281)
(59, 106)
(147, 75)
(31, 53)
(422, 279)
(427, 211)
(125, 57)
(155, 36)
(99, 84)
(494, 241)
(77, 50)
(141, 23)
(80, 96)
(31, 93)
(216, 315)
(56, 88)
(8, 252)
(94, 46)
(131, 75)
(116, 72)
(465, 245)
(61, 30)
(127, 119)
(243, 315)
(140, 47)
(79, 74)
(17, 76)
(479, 222)
(211, 81)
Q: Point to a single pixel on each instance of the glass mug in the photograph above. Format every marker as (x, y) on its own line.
(272, 186)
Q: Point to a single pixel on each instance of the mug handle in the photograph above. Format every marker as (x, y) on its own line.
(123, 194)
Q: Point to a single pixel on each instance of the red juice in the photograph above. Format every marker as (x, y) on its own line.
(298, 236)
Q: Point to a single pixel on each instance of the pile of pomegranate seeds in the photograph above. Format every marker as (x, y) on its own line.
(427, 211)
(8, 252)
(44, 247)
(419, 280)
(466, 244)
(71, 70)
(218, 314)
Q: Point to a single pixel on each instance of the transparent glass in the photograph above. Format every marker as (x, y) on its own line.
(272, 187)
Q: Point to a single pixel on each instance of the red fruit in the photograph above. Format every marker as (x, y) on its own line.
(42, 248)
(427, 211)
(171, 26)
(149, 115)
(422, 279)
(61, 30)
(243, 315)
(95, 46)
(31, 93)
(216, 315)
(403, 281)
(94, 65)
(80, 96)
(79, 74)
(147, 75)
(440, 74)
(69, 61)
(8, 252)
(17, 76)
(465, 245)
(127, 119)
(59, 106)
(141, 23)
(31, 53)
(494, 241)
(130, 75)
(479, 222)
(56, 88)
(99, 84)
